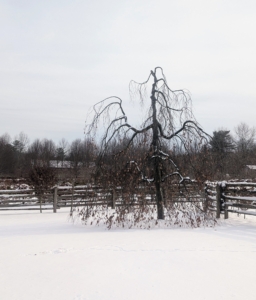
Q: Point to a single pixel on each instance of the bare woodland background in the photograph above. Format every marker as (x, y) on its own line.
(227, 155)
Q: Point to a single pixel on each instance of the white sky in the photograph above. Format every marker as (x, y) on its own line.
(57, 58)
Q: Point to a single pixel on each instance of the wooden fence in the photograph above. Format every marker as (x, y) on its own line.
(221, 197)
(86, 195)
(231, 197)
(54, 199)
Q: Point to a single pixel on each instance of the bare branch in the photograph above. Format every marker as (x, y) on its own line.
(169, 121)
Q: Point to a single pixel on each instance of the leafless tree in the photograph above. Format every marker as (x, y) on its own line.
(245, 137)
(22, 141)
(62, 151)
(41, 152)
(76, 156)
(5, 139)
(168, 123)
(7, 155)
(89, 152)
(42, 178)
(20, 145)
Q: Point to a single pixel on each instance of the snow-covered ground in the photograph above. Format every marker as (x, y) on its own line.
(45, 256)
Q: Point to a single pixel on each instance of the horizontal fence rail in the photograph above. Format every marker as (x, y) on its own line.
(218, 197)
(87, 195)
(231, 197)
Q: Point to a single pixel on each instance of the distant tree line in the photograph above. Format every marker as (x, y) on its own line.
(18, 156)
(231, 154)
(227, 155)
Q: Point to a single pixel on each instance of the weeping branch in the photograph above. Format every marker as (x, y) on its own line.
(169, 119)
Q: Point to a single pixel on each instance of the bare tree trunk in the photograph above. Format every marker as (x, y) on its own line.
(155, 144)
(159, 194)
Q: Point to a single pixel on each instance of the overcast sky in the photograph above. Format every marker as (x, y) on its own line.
(57, 58)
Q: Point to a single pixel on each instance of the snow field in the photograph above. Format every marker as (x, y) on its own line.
(45, 257)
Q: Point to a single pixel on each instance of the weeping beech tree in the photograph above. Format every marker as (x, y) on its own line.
(146, 152)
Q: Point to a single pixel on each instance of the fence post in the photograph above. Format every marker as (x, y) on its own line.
(113, 198)
(224, 203)
(55, 199)
(40, 200)
(206, 199)
(218, 198)
(72, 198)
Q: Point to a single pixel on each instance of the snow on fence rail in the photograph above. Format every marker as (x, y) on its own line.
(231, 197)
(83, 195)
(220, 197)
(55, 198)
